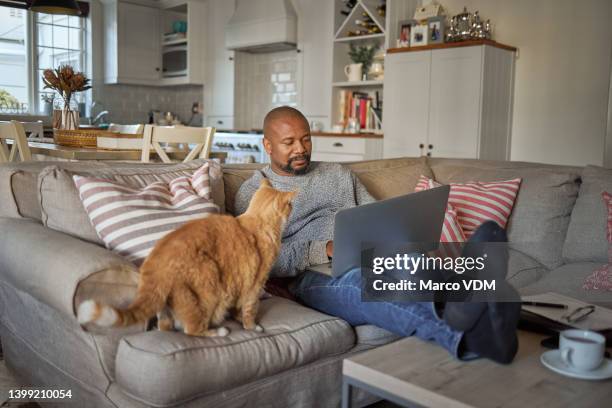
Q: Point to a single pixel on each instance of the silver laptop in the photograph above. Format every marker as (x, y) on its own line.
(416, 217)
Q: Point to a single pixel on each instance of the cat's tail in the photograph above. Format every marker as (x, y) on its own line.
(145, 306)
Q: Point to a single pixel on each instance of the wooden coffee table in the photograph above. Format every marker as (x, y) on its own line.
(411, 372)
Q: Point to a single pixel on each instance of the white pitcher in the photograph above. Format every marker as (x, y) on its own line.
(353, 72)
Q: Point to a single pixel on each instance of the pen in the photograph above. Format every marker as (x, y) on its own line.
(545, 304)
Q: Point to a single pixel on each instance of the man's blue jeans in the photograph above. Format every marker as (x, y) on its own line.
(341, 297)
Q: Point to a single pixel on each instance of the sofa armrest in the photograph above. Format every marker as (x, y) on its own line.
(61, 270)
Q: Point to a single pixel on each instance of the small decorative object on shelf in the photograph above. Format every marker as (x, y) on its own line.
(349, 4)
(437, 26)
(428, 11)
(468, 26)
(403, 40)
(66, 82)
(381, 9)
(364, 55)
(419, 34)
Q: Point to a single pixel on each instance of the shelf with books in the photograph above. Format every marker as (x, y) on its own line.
(358, 24)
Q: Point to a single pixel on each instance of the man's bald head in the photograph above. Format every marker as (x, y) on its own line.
(285, 114)
(287, 141)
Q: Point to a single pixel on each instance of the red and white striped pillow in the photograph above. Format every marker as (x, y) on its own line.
(477, 202)
(131, 220)
(601, 278)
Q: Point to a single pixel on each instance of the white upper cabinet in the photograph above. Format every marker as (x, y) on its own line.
(131, 43)
(136, 50)
(315, 56)
(449, 102)
(219, 89)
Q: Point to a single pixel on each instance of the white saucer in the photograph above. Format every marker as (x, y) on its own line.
(552, 360)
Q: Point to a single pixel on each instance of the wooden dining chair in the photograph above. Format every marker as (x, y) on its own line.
(14, 131)
(34, 130)
(128, 129)
(199, 138)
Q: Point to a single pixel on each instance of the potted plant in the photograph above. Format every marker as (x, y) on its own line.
(66, 82)
(364, 55)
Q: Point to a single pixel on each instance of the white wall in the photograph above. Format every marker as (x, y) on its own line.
(562, 74)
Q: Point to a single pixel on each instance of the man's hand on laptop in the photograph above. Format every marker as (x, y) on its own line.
(329, 248)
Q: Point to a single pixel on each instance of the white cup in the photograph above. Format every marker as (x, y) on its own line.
(582, 349)
(353, 72)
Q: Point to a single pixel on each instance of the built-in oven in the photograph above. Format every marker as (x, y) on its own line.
(241, 147)
(174, 61)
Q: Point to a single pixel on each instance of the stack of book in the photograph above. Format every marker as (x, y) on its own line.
(361, 106)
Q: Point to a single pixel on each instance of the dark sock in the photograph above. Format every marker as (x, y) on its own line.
(494, 335)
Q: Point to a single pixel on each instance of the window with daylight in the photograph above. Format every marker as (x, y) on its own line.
(30, 43)
(14, 91)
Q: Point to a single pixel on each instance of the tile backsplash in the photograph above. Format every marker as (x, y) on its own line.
(263, 82)
(130, 104)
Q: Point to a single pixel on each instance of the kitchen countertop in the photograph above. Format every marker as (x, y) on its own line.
(319, 133)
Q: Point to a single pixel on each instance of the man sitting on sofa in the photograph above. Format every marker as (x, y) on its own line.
(465, 329)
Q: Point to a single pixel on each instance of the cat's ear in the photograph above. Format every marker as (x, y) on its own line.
(265, 182)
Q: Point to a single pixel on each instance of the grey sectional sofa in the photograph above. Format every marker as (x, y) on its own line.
(50, 261)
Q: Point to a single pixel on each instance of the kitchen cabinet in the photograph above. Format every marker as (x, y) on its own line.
(219, 91)
(314, 58)
(136, 50)
(345, 148)
(132, 53)
(450, 101)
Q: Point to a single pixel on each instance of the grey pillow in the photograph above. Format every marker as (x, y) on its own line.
(586, 236)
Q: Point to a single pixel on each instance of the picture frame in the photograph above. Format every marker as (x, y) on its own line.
(403, 33)
(436, 30)
(419, 34)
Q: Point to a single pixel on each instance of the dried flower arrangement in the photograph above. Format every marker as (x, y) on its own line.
(66, 82)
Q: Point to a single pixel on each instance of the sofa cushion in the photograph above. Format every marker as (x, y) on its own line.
(189, 366)
(61, 206)
(586, 235)
(541, 213)
(568, 280)
(233, 177)
(390, 177)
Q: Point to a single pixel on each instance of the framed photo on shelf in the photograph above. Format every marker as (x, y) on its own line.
(437, 28)
(419, 34)
(403, 37)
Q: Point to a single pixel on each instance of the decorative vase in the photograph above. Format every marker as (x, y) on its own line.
(66, 115)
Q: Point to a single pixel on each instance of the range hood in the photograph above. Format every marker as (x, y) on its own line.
(259, 26)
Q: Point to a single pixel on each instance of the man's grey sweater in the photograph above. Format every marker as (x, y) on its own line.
(322, 191)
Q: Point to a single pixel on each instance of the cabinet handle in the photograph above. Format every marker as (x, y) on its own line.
(421, 145)
(428, 154)
(430, 146)
(219, 122)
(338, 144)
(157, 69)
(231, 58)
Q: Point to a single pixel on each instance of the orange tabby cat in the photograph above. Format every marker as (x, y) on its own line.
(205, 268)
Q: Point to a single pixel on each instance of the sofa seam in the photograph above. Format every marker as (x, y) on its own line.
(232, 344)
